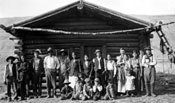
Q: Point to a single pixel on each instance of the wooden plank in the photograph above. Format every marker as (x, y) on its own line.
(127, 44)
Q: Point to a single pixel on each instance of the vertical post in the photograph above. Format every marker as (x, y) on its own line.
(104, 51)
(81, 51)
(163, 62)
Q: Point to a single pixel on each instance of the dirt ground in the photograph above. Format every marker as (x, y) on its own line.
(165, 90)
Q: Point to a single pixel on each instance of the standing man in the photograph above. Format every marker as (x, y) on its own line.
(149, 63)
(135, 65)
(51, 64)
(10, 75)
(99, 67)
(87, 67)
(64, 66)
(37, 69)
(141, 54)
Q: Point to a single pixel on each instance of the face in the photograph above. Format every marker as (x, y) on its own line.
(10, 61)
(141, 52)
(134, 54)
(86, 58)
(35, 54)
(148, 52)
(73, 55)
(122, 52)
(109, 57)
(98, 54)
(126, 58)
(22, 58)
(62, 54)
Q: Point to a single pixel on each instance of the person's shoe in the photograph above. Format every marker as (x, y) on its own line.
(48, 96)
(9, 99)
(54, 96)
(146, 95)
(153, 95)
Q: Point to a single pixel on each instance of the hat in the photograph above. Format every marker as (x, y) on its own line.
(97, 51)
(97, 79)
(66, 81)
(63, 51)
(10, 57)
(147, 48)
(87, 80)
(38, 51)
(49, 50)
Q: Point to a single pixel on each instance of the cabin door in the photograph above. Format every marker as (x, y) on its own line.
(90, 51)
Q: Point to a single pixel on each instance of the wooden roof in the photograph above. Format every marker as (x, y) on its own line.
(90, 9)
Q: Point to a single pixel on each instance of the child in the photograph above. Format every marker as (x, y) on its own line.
(10, 76)
(109, 91)
(130, 87)
(77, 90)
(66, 91)
(97, 89)
(87, 90)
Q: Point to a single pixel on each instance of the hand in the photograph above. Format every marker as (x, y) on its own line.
(88, 97)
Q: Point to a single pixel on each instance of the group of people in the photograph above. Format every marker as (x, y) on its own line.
(99, 78)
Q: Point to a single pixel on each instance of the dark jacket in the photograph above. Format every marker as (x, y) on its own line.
(87, 70)
(97, 63)
(7, 71)
(75, 67)
(40, 68)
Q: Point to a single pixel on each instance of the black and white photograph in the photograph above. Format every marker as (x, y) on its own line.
(87, 51)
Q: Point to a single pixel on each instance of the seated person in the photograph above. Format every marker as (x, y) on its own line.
(77, 90)
(130, 87)
(66, 91)
(87, 90)
(97, 89)
(109, 91)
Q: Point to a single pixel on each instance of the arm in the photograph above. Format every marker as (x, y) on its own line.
(57, 63)
(115, 69)
(5, 72)
(84, 91)
(153, 62)
(144, 62)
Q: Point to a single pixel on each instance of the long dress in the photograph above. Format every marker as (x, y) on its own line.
(75, 69)
(121, 74)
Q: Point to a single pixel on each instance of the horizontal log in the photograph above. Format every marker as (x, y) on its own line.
(65, 36)
(128, 44)
(93, 41)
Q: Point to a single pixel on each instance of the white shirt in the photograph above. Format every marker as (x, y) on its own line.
(10, 70)
(97, 87)
(51, 62)
(99, 66)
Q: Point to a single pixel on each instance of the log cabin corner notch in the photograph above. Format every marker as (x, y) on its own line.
(79, 17)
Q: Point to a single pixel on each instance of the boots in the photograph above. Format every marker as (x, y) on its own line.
(147, 90)
(152, 90)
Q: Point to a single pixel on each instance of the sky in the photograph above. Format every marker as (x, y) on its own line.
(21, 8)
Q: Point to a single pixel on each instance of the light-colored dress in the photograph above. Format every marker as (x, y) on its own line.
(121, 74)
(130, 83)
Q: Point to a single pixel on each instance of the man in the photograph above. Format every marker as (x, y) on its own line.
(10, 75)
(141, 54)
(135, 65)
(149, 63)
(37, 69)
(99, 67)
(64, 66)
(51, 65)
(66, 91)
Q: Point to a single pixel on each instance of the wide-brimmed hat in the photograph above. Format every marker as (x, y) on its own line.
(66, 81)
(96, 51)
(63, 51)
(97, 80)
(10, 57)
(87, 80)
(38, 51)
(148, 48)
(49, 50)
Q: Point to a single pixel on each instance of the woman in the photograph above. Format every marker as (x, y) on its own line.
(87, 67)
(74, 69)
(121, 71)
(23, 77)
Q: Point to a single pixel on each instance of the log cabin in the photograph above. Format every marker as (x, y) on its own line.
(81, 27)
